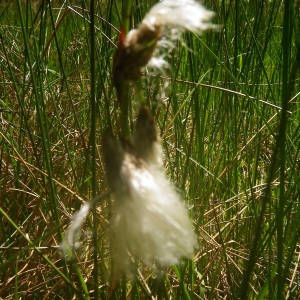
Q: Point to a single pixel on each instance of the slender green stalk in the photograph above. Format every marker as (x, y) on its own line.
(126, 15)
(286, 93)
(82, 282)
(122, 85)
(93, 108)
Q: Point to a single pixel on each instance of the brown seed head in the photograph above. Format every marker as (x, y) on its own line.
(134, 53)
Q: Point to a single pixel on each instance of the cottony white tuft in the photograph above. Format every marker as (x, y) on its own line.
(189, 15)
(154, 38)
(149, 220)
(72, 234)
(174, 17)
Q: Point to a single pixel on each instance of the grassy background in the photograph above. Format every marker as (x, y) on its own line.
(230, 126)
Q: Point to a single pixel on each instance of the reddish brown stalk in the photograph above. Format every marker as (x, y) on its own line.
(134, 52)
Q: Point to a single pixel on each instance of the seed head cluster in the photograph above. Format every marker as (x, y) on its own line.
(149, 222)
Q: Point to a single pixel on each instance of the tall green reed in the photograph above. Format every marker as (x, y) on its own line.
(219, 121)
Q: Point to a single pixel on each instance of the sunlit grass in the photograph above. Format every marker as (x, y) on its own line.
(228, 147)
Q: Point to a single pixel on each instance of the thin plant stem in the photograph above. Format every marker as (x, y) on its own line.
(126, 13)
(93, 108)
(123, 93)
(286, 93)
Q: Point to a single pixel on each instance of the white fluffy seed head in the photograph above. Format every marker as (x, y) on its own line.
(156, 34)
(189, 15)
(175, 17)
(149, 220)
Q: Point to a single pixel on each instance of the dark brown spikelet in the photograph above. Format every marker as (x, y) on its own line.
(113, 156)
(146, 135)
(120, 158)
(133, 53)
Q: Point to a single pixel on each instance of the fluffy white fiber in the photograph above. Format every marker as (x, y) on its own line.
(150, 222)
(172, 17)
(72, 234)
(151, 42)
(186, 14)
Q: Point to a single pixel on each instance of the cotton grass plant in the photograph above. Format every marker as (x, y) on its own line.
(149, 221)
(224, 140)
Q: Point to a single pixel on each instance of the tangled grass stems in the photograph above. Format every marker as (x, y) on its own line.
(217, 144)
